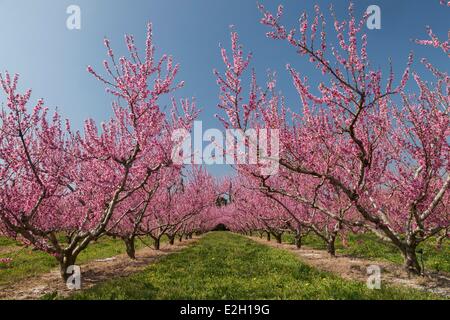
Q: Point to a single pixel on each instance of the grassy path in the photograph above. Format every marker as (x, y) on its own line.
(228, 266)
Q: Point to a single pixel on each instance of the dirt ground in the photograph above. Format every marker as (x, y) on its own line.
(356, 269)
(5, 250)
(92, 273)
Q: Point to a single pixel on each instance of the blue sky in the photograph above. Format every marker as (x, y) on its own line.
(52, 59)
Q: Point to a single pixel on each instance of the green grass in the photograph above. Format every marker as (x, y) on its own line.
(369, 246)
(228, 266)
(28, 263)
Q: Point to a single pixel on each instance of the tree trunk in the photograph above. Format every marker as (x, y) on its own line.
(157, 243)
(331, 249)
(440, 240)
(65, 262)
(172, 240)
(130, 247)
(344, 241)
(411, 262)
(298, 241)
(268, 236)
(278, 237)
(180, 238)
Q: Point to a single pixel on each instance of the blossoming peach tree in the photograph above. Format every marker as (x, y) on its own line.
(349, 153)
(61, 189)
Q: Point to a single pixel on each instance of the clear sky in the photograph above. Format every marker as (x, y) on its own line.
(52, 59)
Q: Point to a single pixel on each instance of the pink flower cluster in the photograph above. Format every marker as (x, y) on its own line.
(5, 260)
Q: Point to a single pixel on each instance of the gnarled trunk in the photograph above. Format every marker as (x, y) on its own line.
(172, 240)
(441, 239)
(331, 249)
(67, 260)
(298, 241)
(157, 243)
(411, 262)
(278, 237)
(344, 241)
(130, 247)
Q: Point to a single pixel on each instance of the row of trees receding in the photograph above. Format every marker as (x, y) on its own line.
(60, 189)
(362, 152)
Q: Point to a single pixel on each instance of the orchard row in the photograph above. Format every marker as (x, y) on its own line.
(350, 159)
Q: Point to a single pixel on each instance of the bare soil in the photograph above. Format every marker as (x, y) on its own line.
(92, 273)
(8, 250)
(352, 268)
